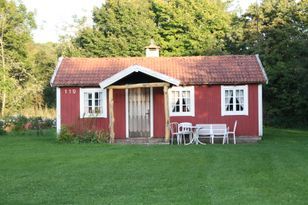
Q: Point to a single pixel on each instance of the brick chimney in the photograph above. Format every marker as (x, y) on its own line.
(152, 50)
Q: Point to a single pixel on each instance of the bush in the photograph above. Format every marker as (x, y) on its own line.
(66, 135)
(102, 137)
(20, 122)
(91, 136)
(88, 136)
(2, 124)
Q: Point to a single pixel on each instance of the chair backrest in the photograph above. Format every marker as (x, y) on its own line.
(219, 129)
(235, 124)
(174, 126)
(185, 127)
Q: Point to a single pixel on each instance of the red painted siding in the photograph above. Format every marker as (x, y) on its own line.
(70, 114)
(119, 113)
(159, 113)
(207, 110)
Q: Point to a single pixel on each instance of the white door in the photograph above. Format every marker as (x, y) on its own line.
(139, 112)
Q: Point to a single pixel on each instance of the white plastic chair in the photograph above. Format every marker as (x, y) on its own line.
(174, 128)
(204, 132)
(185, 128)
(233, 132)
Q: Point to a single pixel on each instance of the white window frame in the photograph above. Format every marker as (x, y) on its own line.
(93, 90)
(191, 89)
(234, 88)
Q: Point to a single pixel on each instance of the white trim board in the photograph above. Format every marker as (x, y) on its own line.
(126, 114)
(262, 68)
(58, 110)
(260, 110)
(56, 71)
(151, 114)
(137, 68)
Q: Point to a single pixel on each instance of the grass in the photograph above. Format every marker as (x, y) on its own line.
(38, 170)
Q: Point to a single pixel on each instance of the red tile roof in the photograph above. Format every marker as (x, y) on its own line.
(194, 70)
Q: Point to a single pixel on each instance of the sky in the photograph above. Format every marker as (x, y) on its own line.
(52, 16)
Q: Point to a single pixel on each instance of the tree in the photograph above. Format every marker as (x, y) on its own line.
(181, 27)
(121, 28)
(278, 31)
(191, 27)
(15, 26)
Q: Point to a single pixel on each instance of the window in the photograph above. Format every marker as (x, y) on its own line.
(234, 100)
(93, 102)
(181, 101)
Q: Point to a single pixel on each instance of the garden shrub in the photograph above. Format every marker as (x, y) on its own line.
(19, 123)
(91, 136)
(2, 124)
(66, 135)
(102, 136)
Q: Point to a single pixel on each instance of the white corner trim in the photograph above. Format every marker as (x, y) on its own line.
(58, 110)
(55, 71)
(222, 100)
(260, 110)
(126, 114)
(262, 68)
(151, 114)
(192, 100)
(137, 68)
(81, 100)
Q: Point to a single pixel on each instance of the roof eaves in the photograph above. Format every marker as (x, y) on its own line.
(262, 68)
(137, 68)
(56, 71)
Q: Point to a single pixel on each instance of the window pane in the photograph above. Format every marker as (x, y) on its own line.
(239, 100)
(175, 101)
(229, 100)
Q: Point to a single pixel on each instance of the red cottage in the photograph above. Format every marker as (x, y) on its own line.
(139, 96)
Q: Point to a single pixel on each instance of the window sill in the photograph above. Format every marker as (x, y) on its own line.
(234, 114)
(94, 116)
(182, 114)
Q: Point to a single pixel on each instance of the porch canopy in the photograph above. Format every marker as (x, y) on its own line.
(137, 76)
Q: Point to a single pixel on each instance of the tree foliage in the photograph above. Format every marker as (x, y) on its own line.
(121, 28)
(191, 27)
(181, 27)
(278, 31)
(25, 67)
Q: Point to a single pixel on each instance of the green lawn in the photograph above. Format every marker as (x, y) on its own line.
(38, 170)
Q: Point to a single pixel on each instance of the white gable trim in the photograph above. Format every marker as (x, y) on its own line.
(137, 68)
(56, 71)
(262, 68)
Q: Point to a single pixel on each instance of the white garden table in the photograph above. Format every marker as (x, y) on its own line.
(195, 138)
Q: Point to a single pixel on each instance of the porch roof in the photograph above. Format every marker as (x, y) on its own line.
(193, 70)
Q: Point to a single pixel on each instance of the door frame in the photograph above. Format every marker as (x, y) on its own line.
(151, 114)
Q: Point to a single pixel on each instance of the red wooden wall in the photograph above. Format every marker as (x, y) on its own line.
(207, 110)
(70, 116)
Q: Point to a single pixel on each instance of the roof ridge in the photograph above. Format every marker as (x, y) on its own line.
(161, 57)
